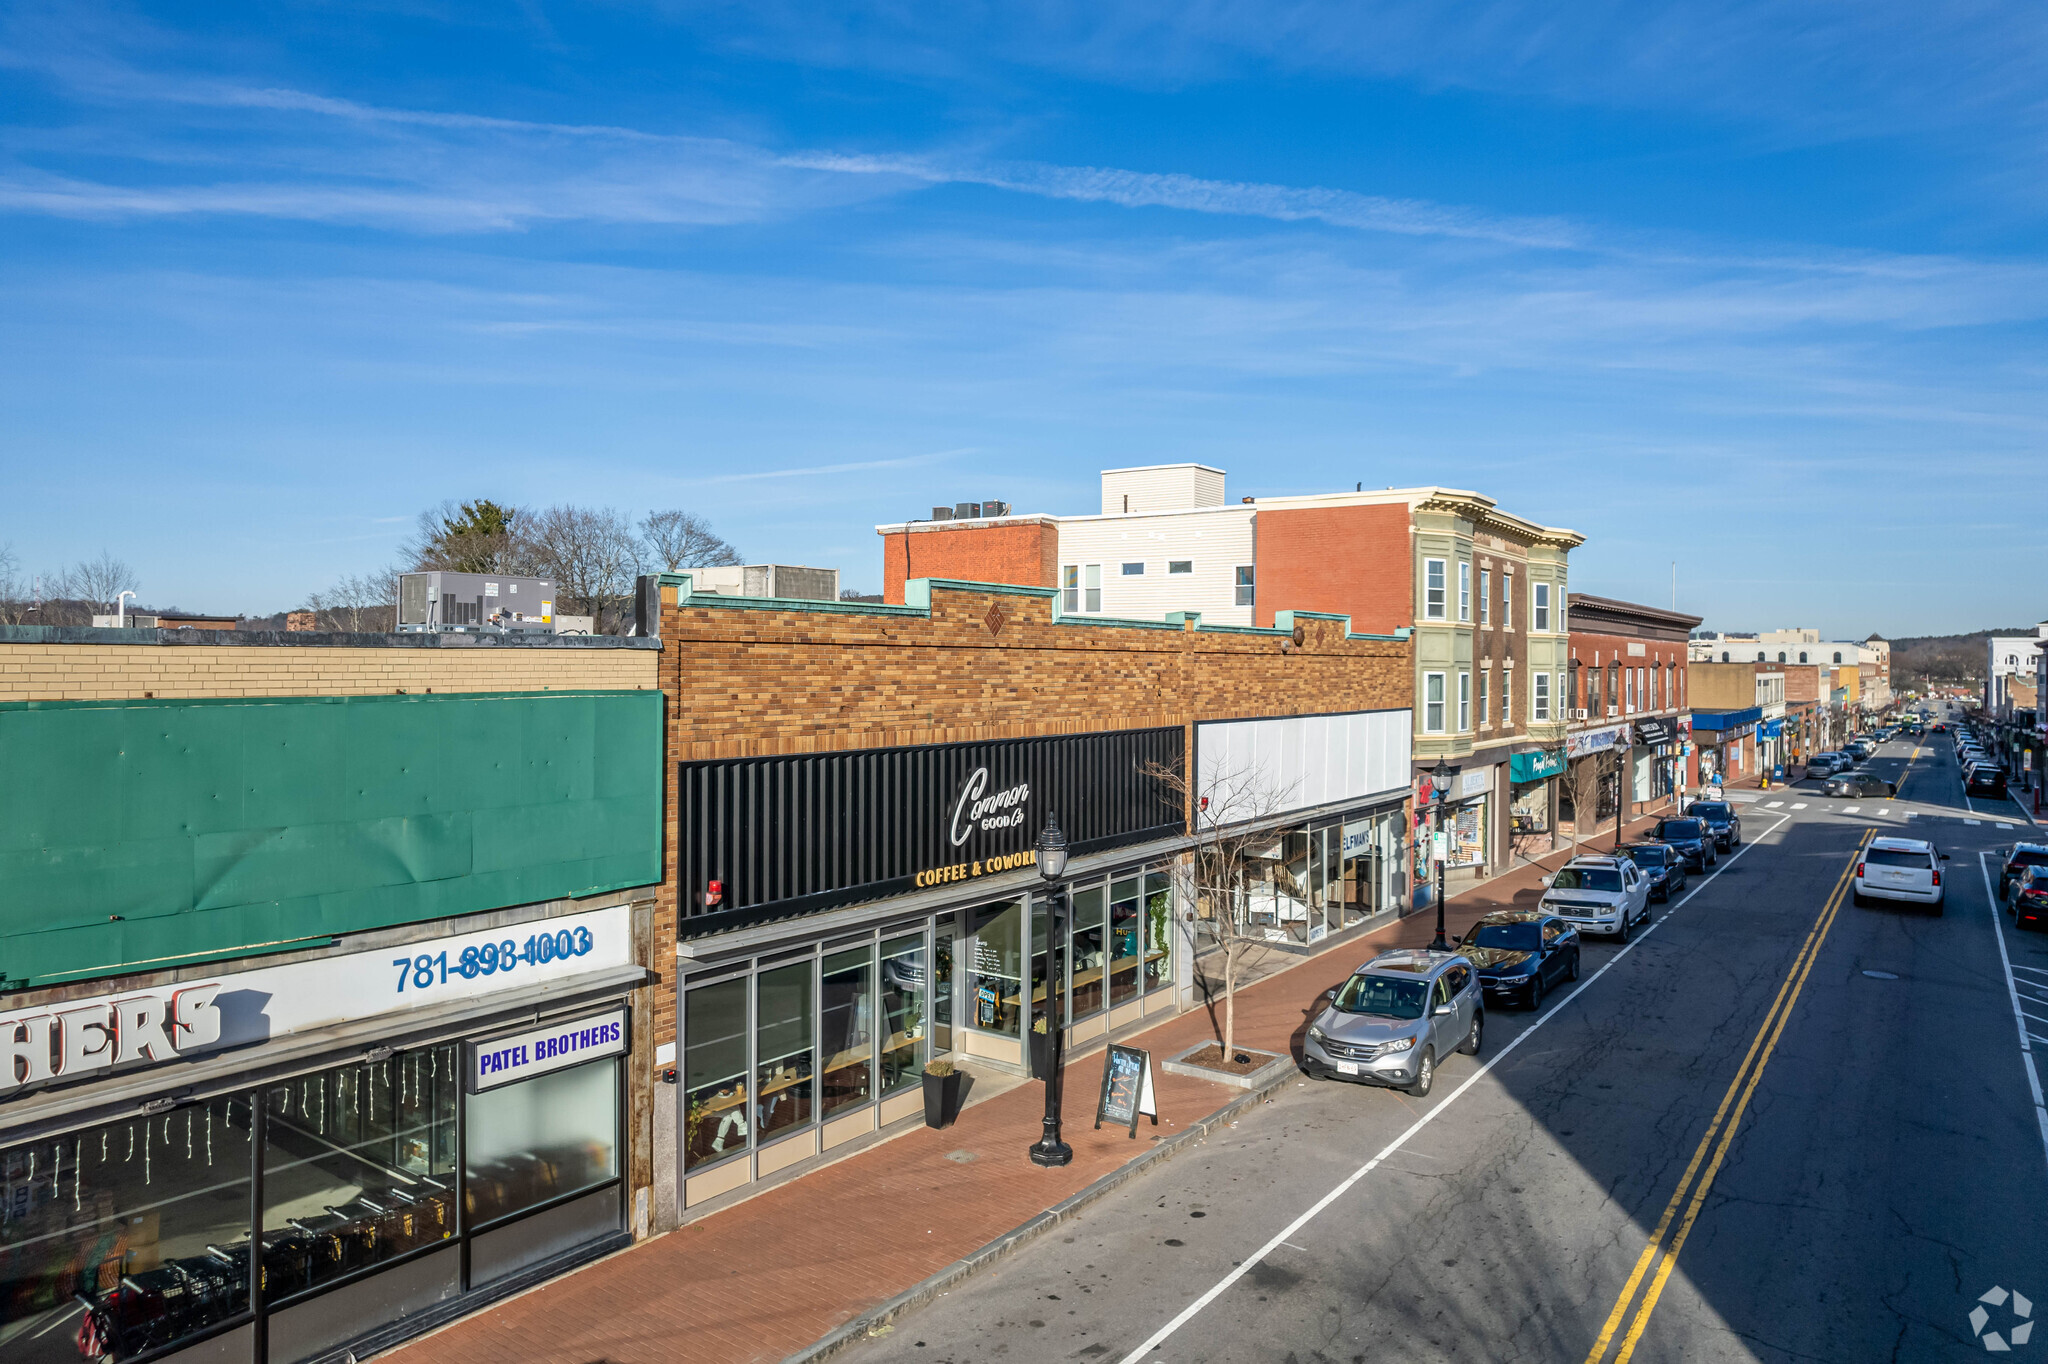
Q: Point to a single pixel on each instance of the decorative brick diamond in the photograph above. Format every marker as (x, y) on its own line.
(995, 619)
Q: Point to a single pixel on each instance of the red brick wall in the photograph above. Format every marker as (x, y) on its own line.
(1614, 649)
(744, 683)
(1027, 555)
(1354, 561)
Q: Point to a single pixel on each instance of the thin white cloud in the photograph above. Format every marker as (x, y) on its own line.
(852, 467)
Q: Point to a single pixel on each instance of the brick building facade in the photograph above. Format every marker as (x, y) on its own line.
(1628, 702)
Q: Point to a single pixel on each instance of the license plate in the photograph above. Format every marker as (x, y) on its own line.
(1347, 1067)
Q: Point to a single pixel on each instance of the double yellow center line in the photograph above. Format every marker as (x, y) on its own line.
(1691, 1193)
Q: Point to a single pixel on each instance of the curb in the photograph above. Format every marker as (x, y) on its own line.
(865, 1324)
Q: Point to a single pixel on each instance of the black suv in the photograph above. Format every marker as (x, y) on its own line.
(1721, 820)
(1691, 837)
(2022, 856)
(1663, 864)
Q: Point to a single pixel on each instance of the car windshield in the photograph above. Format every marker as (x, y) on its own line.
(1587, 878)
(1509, 937)
(1382, 997)
(1647, 857)
(1679, 828)
(1709, 810)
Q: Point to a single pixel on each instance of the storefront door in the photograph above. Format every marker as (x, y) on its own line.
(942, 985)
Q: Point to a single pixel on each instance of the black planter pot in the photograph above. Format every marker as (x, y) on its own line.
(941, 1099)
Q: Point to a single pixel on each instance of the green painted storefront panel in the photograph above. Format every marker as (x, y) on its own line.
(137, 833)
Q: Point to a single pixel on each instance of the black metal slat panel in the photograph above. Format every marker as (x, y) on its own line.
(795, 834)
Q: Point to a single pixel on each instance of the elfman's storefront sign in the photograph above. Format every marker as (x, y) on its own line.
(80, 1038)
(792, 835)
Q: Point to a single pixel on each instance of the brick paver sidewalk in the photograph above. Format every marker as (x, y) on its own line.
(774, 1274)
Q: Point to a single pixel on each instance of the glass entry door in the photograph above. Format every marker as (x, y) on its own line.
(942, 986)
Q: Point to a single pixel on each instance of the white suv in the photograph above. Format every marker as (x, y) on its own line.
(1901, 869)
(1599, 894)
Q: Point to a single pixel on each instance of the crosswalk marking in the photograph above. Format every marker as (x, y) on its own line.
(2004, 825)
(1973, 821)
(1852, 809)
(1912, 814)
(1772, 804)
(1799, 805)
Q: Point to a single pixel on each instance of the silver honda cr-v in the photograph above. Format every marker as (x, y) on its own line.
(1394, 1019)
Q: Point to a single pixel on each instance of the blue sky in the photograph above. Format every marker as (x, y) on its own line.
(1754, 287)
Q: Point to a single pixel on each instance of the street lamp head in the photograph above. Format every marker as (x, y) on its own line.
(1052, 849)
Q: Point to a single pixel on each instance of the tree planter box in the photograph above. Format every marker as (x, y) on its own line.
(941, 1099)
(1275, 1066)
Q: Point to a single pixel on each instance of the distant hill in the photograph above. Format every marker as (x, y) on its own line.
(1944, 660)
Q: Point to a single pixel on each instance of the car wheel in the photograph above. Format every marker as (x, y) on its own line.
(1573, 974)
(1937, 909)
(1621, 934)
(1473, 1039)
(1425, 1077)
(1856, 898)
(1535, 995)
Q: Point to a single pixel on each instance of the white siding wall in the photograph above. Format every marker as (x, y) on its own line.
(1216, 542)
(1304, 761)
(1162, 487)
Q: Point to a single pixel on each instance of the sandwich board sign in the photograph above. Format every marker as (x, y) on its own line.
(1126, 1089)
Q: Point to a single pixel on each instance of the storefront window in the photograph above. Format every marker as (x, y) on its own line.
(1318, 878)
(1158, 930)
(942, 988)
(539, 1139)
(714, 1072)
(148, 1219)
(1091, 964)
(903, 1011)
(995, 972)
(782, 1050)
(1356, 889)
(846, 1023)
(1123, 941)
(358, 1167)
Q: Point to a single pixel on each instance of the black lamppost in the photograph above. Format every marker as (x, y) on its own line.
(1440, 778)
(1049, 1150)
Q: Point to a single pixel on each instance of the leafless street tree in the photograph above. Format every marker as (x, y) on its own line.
(99, 581)
(591, 555)
(358, 602)
(1235, 816)
(1589, 778)
(680, 539)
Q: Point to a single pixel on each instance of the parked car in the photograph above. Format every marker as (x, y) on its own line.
(1900, 869)
(1692, 840)
(2026, 899)
(1601, 894)
(1858, 783)
(1522, 953)
(1393, 1018)
(1721, 821)
(1823, 765)
(2022, 856)
(1859, 750)
(1987, 780)
(1663, 864)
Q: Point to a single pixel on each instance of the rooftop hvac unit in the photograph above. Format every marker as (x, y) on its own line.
(475, 603)
(942, 513)
(995, 509)
(966, 511)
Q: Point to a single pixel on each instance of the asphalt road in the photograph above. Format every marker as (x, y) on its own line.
(1776, 1127)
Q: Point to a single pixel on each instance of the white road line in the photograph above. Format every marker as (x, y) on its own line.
(2032, 1018)
(1912, 814)
(1886, 810)
(1852, 809)
(1773, 804)
(1345, 1185)
(1973, 821)
(2037, 970)
(2019, 1017)
(2004, 826)
(1799, 805)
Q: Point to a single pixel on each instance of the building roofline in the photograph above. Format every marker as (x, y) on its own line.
(1615, 606)
(1178, 464)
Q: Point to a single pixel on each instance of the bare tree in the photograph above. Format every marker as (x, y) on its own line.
(359, 602)
(1235, 822)
(14, 593)
(591, 555)
(99, 581)
(1589, 777)
(680, 539)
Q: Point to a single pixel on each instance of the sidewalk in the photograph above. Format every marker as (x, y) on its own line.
(771, 1276)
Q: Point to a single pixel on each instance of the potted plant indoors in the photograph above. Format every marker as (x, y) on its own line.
(941, 1093)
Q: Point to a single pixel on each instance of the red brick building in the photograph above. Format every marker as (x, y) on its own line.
(1627, 705)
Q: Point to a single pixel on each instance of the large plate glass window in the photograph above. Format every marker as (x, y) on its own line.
(846, 1022)
(783, 1080)
(146, 1219)
(1158, 930)
(1090, 952)
(1123, 940)
(538, 1140)
(904, 1003)
(995, 967)
(358, 1167)
(714, 1072)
